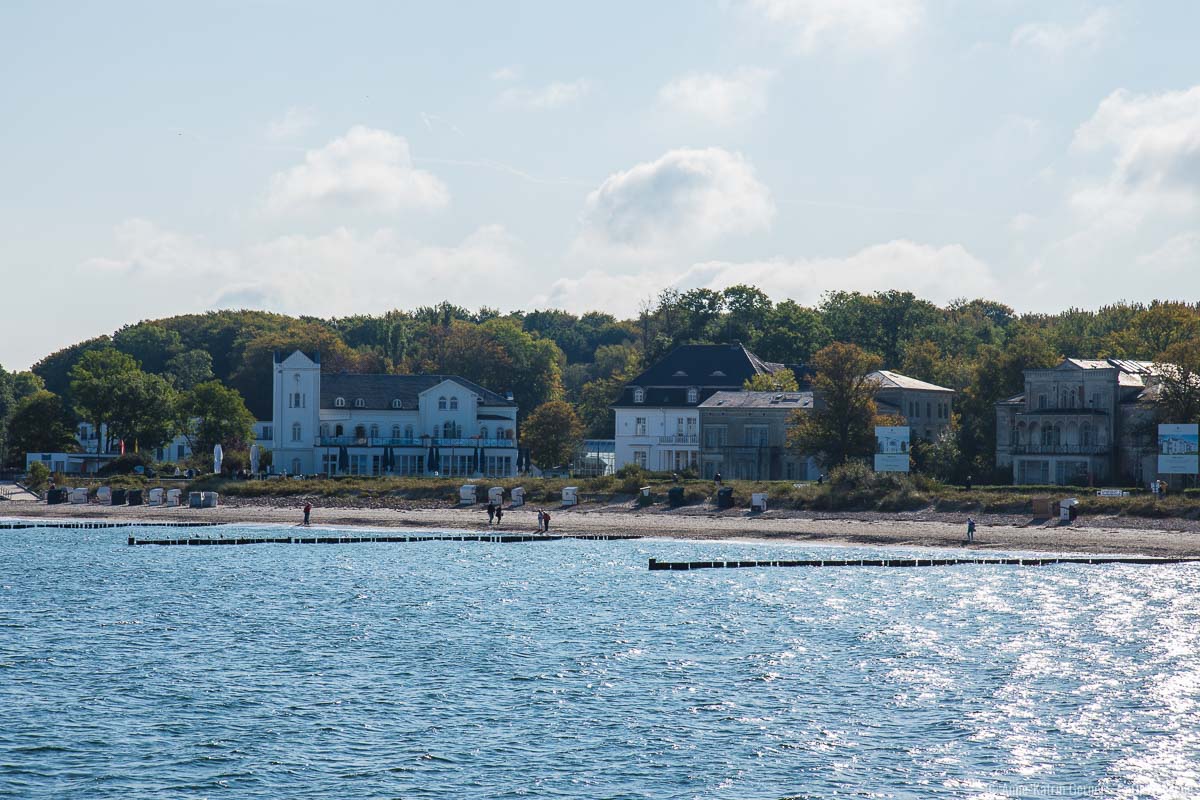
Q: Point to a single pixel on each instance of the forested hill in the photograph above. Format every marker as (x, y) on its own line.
(978, 347)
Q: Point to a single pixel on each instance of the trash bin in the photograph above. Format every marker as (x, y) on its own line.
(675, 496)
(570, 496)
(134, 497)
(725, 497)
(758, 502)
(56, 497)
(118, 497)
(518, 497)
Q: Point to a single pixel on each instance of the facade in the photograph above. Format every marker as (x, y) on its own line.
(1082, 422)
(380, 424)
(927, 408)
(743, 436)
(658, 414)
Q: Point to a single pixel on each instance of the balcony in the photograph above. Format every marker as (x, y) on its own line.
(368, 441)
(1060, 449)
(679, 438)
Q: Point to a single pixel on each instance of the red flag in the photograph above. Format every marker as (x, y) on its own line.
(122, 441)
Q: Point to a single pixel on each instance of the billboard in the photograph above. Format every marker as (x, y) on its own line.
(891, 448)
(1178, 449)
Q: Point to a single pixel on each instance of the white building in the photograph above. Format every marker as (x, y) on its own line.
(379, 424)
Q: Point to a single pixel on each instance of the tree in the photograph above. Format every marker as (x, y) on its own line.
(39, 424)
(793, 333)
(143, 414)
(149, 344)
(188, 370)
(1178, 382)
(781, 380)
(552, 433)
(213, 414)
(96, 382)
(840, 425)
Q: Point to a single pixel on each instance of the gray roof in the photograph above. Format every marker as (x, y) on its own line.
(784, 400)
(894, 380)
(378, 391)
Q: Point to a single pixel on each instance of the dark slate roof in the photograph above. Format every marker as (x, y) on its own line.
(786, 400)
(707, 367)
(380, 390)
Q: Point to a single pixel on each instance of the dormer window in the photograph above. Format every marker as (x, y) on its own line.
(693, 395)
(679, 374)
(360, 403)
(339, 402)
(441, 404)
(718, 374)
(453, 403)
(397, 404)
(639, 395)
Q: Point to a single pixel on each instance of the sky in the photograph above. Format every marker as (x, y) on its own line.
(342, 158)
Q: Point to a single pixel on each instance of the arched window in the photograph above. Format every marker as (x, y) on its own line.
(295, 431)
(453, 403)
(339, 402)
(639, 395)
(441, 404)
(397, 404)
(360, 432)
(339, 430)
(693, 395)
(395, 431)
(483, 431)
(448, 430)
(374, 431)
(360, 403)
(408, 431)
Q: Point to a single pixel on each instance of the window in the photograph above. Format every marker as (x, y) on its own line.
(397, 404)
(1085, 434)
(639, 458)
(441, 404)
(448, 430)
(928, 409)
(339, 431)
(693, 395)
(395, 431)
(715, 436)
(374, 431)
(453, 403)
(268, 432)
(408, 431)
(639, 426)
(339, 402)
(179, 451)
(1041, 401)
(324, 430)
(755, 435)
(679, 426)
(295, 431)
(639, 395)
(360, 403)
(360, 432)
(483, 431)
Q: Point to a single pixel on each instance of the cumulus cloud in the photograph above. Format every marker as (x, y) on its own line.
(367, 169)
(841, 24)
(688, 197)
(294, 122)
(723, 99)
(1057, 40)
(553, 95)
(343, 271)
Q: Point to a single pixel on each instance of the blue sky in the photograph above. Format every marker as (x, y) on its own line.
(332, 159)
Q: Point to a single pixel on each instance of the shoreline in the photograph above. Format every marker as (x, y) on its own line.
(691, 524)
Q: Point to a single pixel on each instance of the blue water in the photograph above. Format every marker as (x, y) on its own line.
(568, 670)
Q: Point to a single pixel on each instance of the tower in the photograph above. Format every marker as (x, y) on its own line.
(296, 412)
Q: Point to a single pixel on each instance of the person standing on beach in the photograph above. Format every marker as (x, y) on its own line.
(491, 509)
(717, 479)
(307, 511)
(545, 522)
(499, 514)
(970, 529)
(539, 527)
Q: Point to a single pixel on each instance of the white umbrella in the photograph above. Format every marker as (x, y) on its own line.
(253, 459)
(218, 455)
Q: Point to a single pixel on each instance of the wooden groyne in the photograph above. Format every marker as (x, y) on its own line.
(82, 525)
(655, 564)
(500, 538)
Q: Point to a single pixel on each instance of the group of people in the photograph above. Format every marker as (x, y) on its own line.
(495, 513)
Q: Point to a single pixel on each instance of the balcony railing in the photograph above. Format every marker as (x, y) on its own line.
(377, 441)
(1061, 449)
(679, 438)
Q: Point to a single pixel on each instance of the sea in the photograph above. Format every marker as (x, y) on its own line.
(568, 669)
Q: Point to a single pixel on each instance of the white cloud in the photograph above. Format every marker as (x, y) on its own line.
(554, 95)
(340, 272)
(366, 169)
(1156, 166)
(1057, 40)
(686, 198)
(1178, 255)
(841, 24)
(720, 98)
(294, 122)
(509, 73)
(1022, 223)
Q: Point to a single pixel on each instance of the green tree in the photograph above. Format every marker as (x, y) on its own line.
(188, 370)
(840, 425)
(39, 424)
(149, 344)
(96, 385)
(781, 380)
(1177, 395)
(37, 476)
(792, 334)
(212, 414)
(552, 433)
(143, 414)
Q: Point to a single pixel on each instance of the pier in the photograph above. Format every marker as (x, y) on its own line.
(677, 566)
(499, 538)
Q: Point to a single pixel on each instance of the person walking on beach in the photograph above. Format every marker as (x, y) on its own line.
(491, 509)
(970, 529)
(499, 514)
(307, 512)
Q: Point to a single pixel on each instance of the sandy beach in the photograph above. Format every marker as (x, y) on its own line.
(695, 522)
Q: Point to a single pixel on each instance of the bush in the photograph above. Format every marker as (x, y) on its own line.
(37, 476)
(127, 465)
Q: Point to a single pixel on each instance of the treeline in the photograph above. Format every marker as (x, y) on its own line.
(978, 347)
